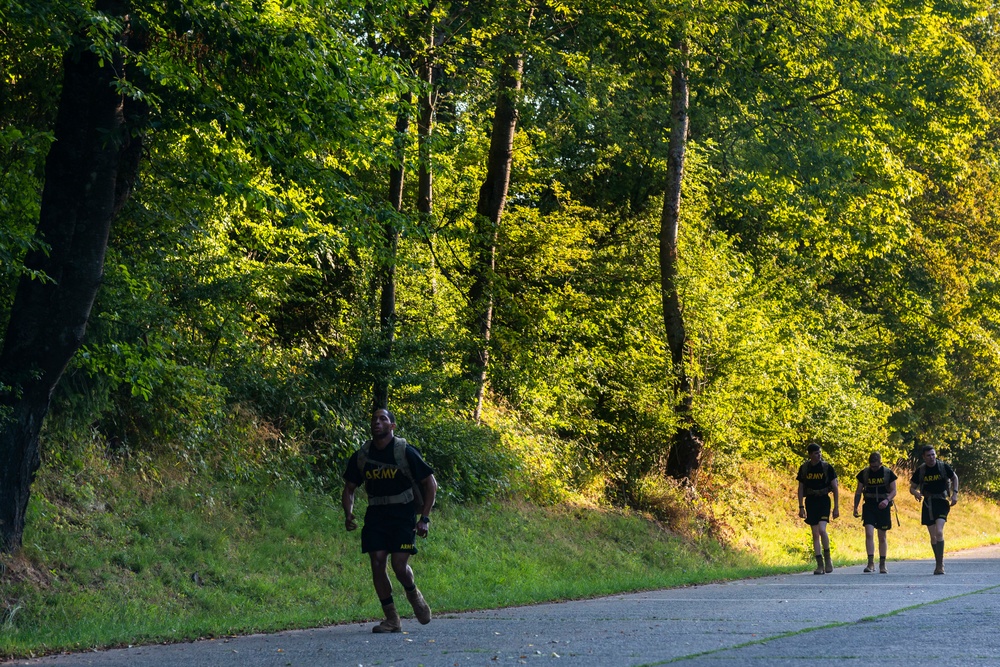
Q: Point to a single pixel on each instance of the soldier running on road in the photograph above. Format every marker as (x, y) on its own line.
(877, 484)
(399, 484)
(935, 485)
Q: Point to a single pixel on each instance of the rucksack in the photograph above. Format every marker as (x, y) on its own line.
(866, 475)
(922, 470)
(403, 465)
(826, 476)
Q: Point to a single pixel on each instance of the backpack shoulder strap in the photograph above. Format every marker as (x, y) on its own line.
(399, 453)
(363, 455)
(866, 478)
(948, 482)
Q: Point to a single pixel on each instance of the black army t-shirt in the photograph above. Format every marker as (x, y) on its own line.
(381, 477)
(934, 482)
(817, 476)
(878, 481)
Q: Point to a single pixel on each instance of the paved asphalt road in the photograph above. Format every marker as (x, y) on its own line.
(908, 617)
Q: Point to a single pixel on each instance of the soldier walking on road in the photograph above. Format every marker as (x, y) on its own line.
(935, 485)
(877, 484)
(399, 484)
(817, 479)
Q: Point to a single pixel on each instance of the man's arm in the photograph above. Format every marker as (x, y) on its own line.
(954, 487)
(429, 487)
(890, 496)
(347, 501)
(857, 497)
(835, 485)
(802, 493)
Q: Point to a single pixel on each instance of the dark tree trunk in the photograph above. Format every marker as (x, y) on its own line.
(89, 174)
(425, 129)
(387, 263)
(492, 199)
(686, 444)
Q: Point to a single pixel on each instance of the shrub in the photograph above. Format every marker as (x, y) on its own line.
(468, 459)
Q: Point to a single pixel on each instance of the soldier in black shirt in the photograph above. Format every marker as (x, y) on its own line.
(399, 484)
(877, 484)
(935, 485)
(817, 479)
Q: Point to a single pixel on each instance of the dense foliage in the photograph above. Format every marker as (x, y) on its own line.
(839, 234)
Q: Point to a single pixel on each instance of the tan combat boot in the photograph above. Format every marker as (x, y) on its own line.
(391, 622)
(881, 566)
(827, 561)
(420, 607)
(871, 564)
(819, 565)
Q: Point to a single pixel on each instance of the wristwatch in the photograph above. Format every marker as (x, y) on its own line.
(424, 519)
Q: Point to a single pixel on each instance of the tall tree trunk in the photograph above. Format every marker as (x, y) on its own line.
(89, 174)
(387, 259)
(492, 199)
(425, 129)
(684, 457)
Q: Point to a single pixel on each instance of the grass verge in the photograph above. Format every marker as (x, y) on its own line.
(120, 561)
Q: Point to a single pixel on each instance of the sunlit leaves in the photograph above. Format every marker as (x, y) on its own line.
(838, 243)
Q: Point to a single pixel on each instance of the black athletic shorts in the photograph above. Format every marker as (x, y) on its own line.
(932, 509)
(817, 509)
(871, 515)
(390, 532)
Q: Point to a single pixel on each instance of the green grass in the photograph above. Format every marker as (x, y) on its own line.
(121, 563)
(764, 515)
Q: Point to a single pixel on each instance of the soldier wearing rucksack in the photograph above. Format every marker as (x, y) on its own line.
(399, 484)
(877, 484)
(935, 485)
(817, 479)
